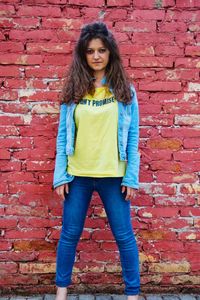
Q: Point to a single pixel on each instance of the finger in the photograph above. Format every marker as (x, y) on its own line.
(61, 192)
(128, 195)
(123, 189)
(67, 188)
(133, 195)
(58, 191)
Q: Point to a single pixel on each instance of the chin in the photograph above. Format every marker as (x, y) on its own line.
(98, 68)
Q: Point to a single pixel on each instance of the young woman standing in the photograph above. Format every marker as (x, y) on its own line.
(97, 150)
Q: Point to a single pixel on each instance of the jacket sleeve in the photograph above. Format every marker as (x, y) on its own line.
(60, 172)
(131, 177)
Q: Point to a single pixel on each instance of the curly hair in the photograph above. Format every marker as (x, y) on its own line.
(79, 79)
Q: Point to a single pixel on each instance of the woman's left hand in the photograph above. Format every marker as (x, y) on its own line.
(130, 192)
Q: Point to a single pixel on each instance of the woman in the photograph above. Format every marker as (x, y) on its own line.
(97, 149)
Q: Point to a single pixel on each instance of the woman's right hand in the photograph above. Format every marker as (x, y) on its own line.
(61, 189)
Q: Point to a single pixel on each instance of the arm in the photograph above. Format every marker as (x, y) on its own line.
(60, 172)
(131, 177)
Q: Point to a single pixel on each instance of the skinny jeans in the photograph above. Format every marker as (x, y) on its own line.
(117, 209)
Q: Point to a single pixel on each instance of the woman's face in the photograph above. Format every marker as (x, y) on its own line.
(97, 55)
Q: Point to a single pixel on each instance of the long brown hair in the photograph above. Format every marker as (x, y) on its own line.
(79, 79)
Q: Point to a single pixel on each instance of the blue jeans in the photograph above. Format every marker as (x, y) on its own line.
(75, 208)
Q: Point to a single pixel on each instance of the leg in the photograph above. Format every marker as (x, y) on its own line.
(74, 213)
(119, 217)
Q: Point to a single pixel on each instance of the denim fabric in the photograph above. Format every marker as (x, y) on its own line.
(117, 209)
(128, 139)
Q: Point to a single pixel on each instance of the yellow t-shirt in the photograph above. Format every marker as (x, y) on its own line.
(96, 146)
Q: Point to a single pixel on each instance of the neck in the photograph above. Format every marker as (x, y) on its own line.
(99, 76)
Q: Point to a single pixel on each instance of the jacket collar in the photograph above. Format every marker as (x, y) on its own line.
(103, 81)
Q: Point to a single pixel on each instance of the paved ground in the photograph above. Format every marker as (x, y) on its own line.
(108, 297)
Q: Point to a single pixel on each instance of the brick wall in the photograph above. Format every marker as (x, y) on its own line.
(159, 42)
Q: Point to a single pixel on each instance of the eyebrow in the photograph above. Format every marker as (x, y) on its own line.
(98, 48)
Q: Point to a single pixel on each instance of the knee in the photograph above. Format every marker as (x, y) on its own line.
(70, 234)
(125, 237)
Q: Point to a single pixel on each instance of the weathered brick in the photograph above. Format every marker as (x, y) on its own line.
(99, 256)
(134, 26)
(19, 59)
(181, 108)
(189, 212)
(173, 99)
(178, 74)
(154, 62)
(8, 267)
(157, 235)
(40, 165)
(8, 223)
(117, 3)
(164, 120)
(193, 87)
(186, 155)
(185, 279)
(20, 210)
(62, 23)
(187, 63)
(49, 47)
(25, 233)
(168, 50)
(50, 11)
(187, 120)
(174, 201)
(173, 144)
(7, 10)
(5, 245)
(191, 143)
(10, 165)
(7, 71)
(189, 235)
(35, 35)
(185, 3)
(11, 47)
(45, 108)
(16, 279)
(180, 131)
(174, 177)
(152, 4)
(190, 188)
(36, 268)
(93, 3)
(157, 212)
(172, 26)
(33, 245)
(192, 50)
(194, 27)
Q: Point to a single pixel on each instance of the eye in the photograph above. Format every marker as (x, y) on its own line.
(102, 50)
(89, 51)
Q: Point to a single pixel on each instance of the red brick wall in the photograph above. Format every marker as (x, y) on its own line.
(159, 41)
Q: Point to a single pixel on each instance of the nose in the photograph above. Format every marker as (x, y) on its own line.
(96, 54)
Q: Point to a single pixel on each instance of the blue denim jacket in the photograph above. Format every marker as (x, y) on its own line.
(128, 139)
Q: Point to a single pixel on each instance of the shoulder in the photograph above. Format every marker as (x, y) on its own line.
(63, 105)
(63, 108)
(133, 90)
(134, 100)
